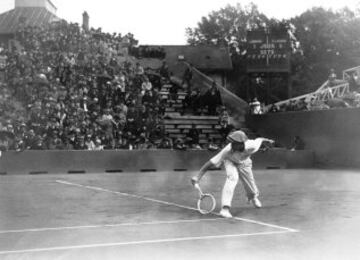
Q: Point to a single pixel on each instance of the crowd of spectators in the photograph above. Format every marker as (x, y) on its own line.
(208, 103)
(64, 88)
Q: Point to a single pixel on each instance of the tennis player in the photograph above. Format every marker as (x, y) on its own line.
(237, 162)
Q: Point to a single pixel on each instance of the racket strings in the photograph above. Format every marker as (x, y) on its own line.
(206, 204)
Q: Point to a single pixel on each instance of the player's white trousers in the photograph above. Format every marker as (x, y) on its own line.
(233, 173)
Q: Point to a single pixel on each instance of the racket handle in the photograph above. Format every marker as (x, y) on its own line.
(197, 186)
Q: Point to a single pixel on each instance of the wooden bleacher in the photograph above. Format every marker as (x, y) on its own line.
(172, 106)
(178, 125)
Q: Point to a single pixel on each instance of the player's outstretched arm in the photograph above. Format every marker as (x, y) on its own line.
(267, 140)
(202, 172)
(254, 145)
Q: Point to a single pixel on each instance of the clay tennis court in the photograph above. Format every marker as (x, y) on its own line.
(307, 214)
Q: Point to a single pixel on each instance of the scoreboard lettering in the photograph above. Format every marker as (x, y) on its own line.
(268, 51)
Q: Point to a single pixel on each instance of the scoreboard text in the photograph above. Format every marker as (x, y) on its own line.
(268, 51)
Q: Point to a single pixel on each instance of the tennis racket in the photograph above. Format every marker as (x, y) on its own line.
(206, 202)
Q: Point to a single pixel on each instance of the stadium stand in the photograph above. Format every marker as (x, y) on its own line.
(65, 88)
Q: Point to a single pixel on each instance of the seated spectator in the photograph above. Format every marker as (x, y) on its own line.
(173, 93)
(68, 144)
(121, 107)
(108, 142)
(192, 101)
(19, 145)
(119, 122)
(187, 78)
(212, 99)
(30, 139)
(98, 145)
(131, 120)
(146, 86)
(192, 138)
(164, 71)
(89, 142)
(107, 121)
(165, 143)
(144, 143)
(143, 113)
(120, 89)
(225, 130)
(4, 144)
(80, 143)
(148, 98)
(179, 144)
(139, 70)
(39, 144)
(211, 145)
(274, 108)
(224, 117)
(123, 143)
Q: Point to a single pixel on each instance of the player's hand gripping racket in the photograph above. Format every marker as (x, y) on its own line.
(206, 202)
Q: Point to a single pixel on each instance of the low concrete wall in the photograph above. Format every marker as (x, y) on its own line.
(333, 135)
(54, 162)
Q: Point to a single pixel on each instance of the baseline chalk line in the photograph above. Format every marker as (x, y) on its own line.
(155, 241)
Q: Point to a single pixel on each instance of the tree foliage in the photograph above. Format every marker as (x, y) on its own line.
(228, 27)
(328, 39)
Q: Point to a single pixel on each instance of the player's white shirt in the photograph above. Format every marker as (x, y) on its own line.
(238, 158)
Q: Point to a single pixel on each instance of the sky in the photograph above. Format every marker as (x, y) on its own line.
(163, 22)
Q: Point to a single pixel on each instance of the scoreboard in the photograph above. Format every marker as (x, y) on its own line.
(268, 51)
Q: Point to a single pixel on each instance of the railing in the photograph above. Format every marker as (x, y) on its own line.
(323, 86)
(321, 94)
(324, 92)
(232, 102)
(236, 106)
(333, 92)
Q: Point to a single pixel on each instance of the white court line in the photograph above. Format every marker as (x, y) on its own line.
(155, 241)
(109, 225)
(171, 204)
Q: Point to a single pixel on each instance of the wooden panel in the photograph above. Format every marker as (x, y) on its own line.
(184, 126)
(203, 126)
(210, 131)
(190, 122)
(175, 131)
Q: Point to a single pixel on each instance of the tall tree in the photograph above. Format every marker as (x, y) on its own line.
(228, 27)
(328, 39)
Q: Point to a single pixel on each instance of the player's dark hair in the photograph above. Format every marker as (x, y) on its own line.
(238, 146)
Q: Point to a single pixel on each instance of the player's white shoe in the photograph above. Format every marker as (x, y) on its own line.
(225, 213)
(256, 202)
